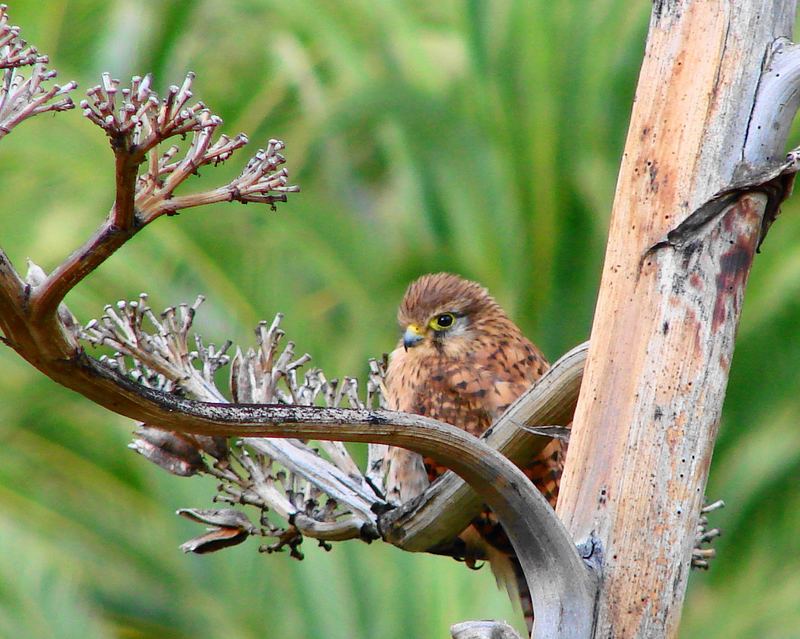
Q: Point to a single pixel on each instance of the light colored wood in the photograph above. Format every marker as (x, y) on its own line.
(665, 322)
(661, 345)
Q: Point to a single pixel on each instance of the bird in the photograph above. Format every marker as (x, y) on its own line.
(463, 361)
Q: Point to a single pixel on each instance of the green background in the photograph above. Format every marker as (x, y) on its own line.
(477, 137)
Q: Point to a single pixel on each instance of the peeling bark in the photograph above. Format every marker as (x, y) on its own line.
(667, 312)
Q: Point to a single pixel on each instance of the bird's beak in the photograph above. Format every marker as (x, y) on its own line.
(412, 336)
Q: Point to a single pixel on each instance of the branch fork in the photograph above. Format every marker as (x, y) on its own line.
(136, 122)
(319, 492)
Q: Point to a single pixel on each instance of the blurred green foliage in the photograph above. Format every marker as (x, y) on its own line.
(471, 136)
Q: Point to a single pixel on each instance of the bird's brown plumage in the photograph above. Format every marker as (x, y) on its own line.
(466, 374)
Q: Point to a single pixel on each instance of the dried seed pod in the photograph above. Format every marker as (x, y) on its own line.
(164, 448)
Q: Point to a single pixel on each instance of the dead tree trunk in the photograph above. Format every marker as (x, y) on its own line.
(670, 301)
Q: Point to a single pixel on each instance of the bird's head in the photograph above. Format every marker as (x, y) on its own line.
(445, 313)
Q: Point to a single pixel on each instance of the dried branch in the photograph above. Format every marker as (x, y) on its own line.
(664, 328)
(21, 97)
(563, 588)
(704, 535)
(163, 360)
(483, 630)
(537, 535)
(430, 523)
(14, 51)
(775, 105)
(328, 499)
(255, 378)
(141, 122)
(163, 352)
(228, 528)
(136, 122)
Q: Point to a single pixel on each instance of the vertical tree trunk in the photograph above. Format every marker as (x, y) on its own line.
(664, 327)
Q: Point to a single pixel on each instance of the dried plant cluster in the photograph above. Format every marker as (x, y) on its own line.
(314, 490)
(311, 489)
(702, 553)
(287, 477)
(137, 118)
(21, 97)
(317, 491)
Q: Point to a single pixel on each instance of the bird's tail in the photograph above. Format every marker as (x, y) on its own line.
(523, 593)
(487, 538)
(506, 569)
(509, 576)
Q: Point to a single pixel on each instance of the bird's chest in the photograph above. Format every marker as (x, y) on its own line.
(451, 391)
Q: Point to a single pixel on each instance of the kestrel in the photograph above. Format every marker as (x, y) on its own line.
(461, 360)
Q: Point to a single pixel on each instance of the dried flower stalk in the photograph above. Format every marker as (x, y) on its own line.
(21, 97)
(327, 497)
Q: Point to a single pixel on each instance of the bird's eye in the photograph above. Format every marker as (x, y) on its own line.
(442, 322)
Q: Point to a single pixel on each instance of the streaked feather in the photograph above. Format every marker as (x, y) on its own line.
(466, 378)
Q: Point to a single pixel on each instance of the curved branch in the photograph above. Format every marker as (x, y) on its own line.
(96, 250)
(483, 630)
(562, 586)
(563, 589)
(437, 516)
(136, 122)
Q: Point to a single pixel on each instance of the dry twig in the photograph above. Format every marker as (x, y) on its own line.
(21, 97)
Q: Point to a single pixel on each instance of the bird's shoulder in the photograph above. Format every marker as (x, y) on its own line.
(513, 363)
(477, 384)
